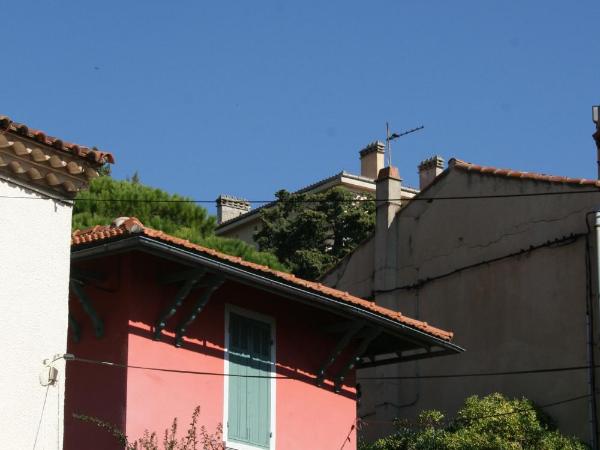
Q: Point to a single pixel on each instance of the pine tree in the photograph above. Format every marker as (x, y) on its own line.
(108, 198)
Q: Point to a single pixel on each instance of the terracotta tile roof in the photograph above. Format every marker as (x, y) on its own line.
(125, 226)
(91, 154)
(515, 174)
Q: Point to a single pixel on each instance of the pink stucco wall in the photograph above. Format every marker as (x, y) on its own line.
(307, 416)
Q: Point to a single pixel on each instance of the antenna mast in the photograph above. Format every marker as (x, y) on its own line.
(390, 137)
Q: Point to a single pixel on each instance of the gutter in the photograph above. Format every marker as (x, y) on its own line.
(590, 324)
(160, 248)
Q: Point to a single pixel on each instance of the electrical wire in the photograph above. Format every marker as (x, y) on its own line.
(37, 433)
(357, 200)
(58, 414)
(70, 357)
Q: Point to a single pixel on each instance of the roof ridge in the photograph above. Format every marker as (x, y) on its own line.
(91, 153)
(518, 174)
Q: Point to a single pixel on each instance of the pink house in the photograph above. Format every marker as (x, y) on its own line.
(269, 356)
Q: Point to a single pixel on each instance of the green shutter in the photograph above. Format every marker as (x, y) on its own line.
(249, 415)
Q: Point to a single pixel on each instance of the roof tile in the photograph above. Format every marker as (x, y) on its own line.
(508, 173)
(92, 154)
(125, 226)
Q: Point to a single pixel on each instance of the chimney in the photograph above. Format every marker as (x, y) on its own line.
(429, 169)
(229, 207)
(387, 200)
(372, 159)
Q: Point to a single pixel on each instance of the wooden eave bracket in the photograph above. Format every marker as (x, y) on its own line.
(213, 282)
(352, 329)
(190, 279)
(75, 328)
(77, 288)
(370, 336)
(403, 357)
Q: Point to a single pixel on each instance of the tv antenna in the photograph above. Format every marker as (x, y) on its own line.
(390, 137)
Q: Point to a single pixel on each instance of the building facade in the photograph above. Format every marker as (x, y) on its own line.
(267, 356)
(39, 176)
(506, 259)
(235, 219)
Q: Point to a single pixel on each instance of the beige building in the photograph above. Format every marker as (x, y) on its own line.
(236, 220)
(512, 271)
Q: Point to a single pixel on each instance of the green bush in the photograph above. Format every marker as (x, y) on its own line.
(493, 422)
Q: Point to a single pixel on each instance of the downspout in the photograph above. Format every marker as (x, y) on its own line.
(592, 295)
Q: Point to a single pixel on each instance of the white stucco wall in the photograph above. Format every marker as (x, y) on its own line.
(34, 273)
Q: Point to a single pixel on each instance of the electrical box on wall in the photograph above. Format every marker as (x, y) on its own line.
(48, 375)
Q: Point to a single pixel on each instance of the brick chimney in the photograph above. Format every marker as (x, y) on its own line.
(229, 207)
(372, 159)
(387, 200)
(429, 169)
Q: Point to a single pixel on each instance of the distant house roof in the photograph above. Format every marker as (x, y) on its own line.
(317, 186)
(40, 161)
(131, 227)
(516, 174)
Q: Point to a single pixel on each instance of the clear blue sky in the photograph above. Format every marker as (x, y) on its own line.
(247, 97)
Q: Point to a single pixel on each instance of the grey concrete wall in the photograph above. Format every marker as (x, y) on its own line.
(519, 313)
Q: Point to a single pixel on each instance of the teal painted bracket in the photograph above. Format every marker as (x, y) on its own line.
(75, 328)
(86, 303)
(213, 283)
(191, 279)
(338, 349)
(369, 337)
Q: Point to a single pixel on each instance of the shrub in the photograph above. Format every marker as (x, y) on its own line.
(195, 438)
(493, 422)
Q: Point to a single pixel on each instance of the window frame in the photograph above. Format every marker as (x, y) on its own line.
(229, 308)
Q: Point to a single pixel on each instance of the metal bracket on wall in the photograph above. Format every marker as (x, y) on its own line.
(355, 358)
(351, 331)
(190, 278)
(88, 307)
(213, 282)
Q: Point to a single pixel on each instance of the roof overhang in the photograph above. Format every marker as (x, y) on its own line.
(416, 344)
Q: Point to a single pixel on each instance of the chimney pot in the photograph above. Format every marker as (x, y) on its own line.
(389, 172)
(372, 159)
(229, 207)
(429, 169)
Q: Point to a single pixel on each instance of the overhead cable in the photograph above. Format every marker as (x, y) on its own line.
(356, 200)
(70, 357)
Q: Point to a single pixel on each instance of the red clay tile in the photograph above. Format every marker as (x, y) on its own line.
(130, 225)
(508, 173)
(93, 154)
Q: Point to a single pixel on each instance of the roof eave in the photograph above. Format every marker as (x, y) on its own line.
(150, 245)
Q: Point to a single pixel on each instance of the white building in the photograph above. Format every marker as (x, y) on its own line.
(236, 220)
(39, 176)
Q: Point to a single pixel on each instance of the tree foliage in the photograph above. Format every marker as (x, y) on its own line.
(311, 232)
(108, 199)
(493, 422)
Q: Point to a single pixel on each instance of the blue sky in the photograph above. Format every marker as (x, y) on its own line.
(246, 98)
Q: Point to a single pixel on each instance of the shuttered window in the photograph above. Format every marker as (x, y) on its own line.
(249, 408)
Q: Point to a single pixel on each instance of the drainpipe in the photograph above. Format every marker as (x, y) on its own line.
(593, 294)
